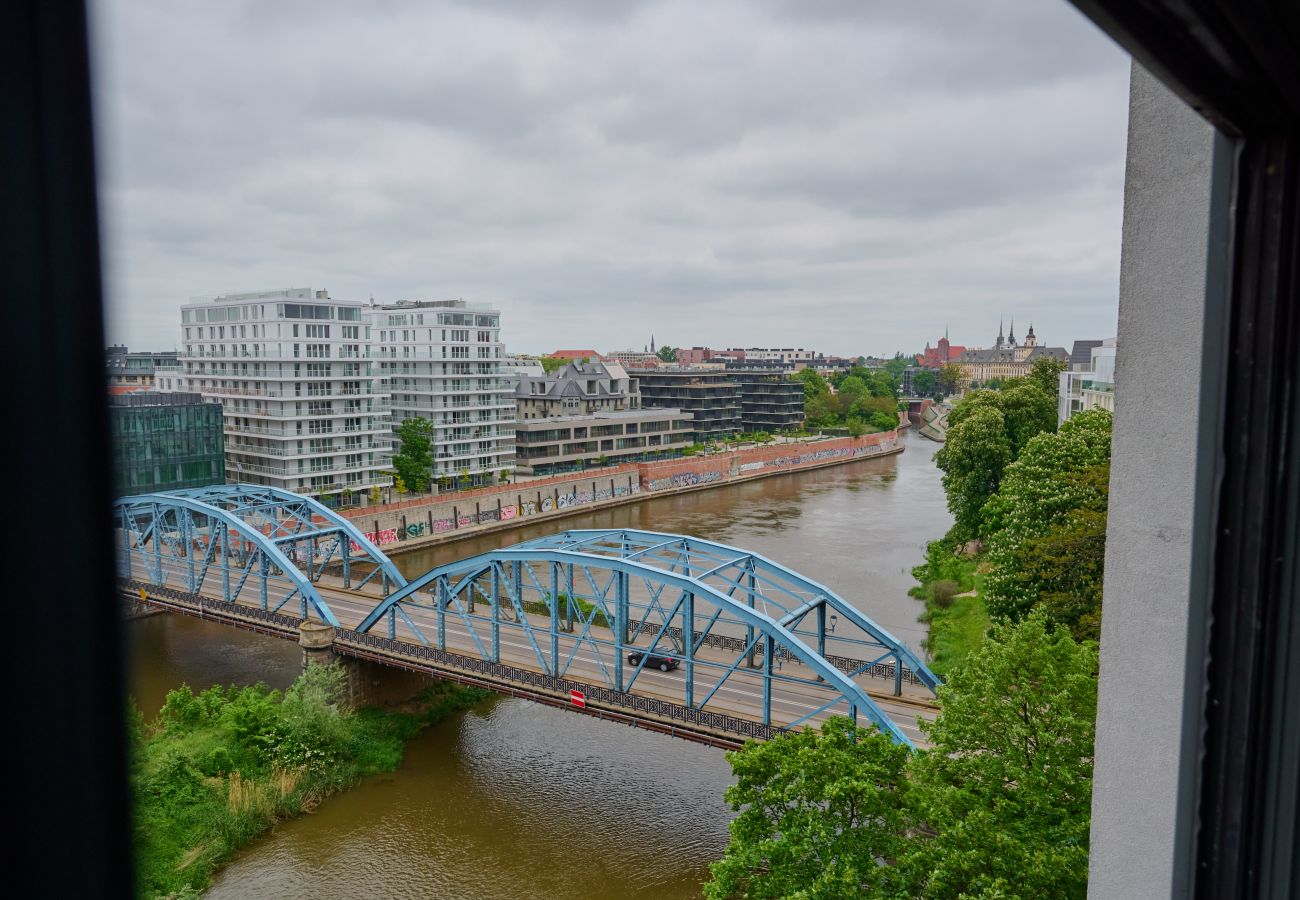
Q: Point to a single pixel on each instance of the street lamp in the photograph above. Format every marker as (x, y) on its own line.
(834, 620)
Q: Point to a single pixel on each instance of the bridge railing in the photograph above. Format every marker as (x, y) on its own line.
(845, 664)
(597, 694)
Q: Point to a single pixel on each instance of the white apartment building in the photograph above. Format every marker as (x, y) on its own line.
(1089, 388)
(777, 354)
(303, 408)
(442, 360)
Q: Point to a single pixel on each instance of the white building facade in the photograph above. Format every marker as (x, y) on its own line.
(303, 408)
(1090, 388)
(442, 360)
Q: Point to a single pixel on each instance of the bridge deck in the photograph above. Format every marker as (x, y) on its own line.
(733, 713)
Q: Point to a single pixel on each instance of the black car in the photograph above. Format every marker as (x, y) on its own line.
(662, 663)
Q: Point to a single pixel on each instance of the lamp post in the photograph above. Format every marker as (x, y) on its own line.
(834, 620)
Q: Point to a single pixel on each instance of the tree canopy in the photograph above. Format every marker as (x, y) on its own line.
(667, 354)
(1046, 373)
(817, 811)
(999, 806)
(1005, 792)
(1045, 527)
(862, 399)
(414, 461)
(923, 383)
(972, 459)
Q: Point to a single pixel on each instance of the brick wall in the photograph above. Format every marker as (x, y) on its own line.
(423, 519)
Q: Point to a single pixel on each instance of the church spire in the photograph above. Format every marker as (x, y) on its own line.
(1011, 335)
(652, 343)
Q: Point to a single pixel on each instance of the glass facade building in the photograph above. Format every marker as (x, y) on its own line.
(163, 442)
(710, 396)
(770, 400)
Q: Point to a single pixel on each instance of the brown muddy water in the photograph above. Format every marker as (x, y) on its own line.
(515, 800)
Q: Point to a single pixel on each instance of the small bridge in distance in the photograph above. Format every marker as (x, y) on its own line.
(667, 632)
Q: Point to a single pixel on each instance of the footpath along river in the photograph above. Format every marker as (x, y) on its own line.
(515, 800)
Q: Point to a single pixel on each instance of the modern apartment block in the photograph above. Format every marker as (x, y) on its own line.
(303, 408)
(443, 360)
(164, 442)
(1092, 387)
(576, 389)
(711, 396)
(777, 354)
(770, 400)
(138, 371)
(566, 443)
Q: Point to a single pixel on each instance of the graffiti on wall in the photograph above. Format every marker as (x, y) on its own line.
(685, 479)
(825, 455)
(523, 509)
(562, 501)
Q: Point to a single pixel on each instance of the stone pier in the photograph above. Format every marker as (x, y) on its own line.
(369, 684)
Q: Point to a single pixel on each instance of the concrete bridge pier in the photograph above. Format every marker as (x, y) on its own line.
(369, 684)
(317, 641)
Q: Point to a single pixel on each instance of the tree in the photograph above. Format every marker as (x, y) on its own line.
(414, 461)
(667, 354)
(972, 460)
(1028, 411)
(923, 383)
(1051, 499)
(1046, 373)
(1005, 792)
(818, 813)
(896, 365)
(949, 379)
(1066, 567)
(818, 404)
(551, 363)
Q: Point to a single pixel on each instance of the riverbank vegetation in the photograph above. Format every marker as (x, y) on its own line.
(954, 611)
(861, 400)
(216, 769)
(998, 806)
(1029, 509)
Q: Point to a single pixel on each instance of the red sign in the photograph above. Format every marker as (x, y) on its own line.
(578, 698)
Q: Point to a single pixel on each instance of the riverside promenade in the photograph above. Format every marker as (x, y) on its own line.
(428, 520)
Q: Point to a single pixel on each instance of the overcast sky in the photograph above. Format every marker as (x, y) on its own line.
(849, 176)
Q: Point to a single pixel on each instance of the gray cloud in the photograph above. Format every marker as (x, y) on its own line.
(850, 176)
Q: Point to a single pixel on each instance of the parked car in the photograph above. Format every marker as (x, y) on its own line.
(662, 663)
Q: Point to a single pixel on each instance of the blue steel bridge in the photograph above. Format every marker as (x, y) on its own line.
(760, 649)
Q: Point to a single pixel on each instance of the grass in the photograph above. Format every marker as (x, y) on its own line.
(957, 626)
(582, 609)
(215, 770)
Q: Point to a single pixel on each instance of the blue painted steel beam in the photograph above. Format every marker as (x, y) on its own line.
(774, 632)
(760, 563)
(177, 504)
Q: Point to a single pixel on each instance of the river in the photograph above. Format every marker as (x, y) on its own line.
(515, 800)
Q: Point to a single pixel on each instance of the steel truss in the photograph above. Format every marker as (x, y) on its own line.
(730, 619)
(249, 537)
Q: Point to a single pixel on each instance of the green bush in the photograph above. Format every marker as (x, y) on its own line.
(217, 769)
(942, 592)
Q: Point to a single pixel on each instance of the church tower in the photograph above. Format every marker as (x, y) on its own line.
(1030, 340)
(1001, 341)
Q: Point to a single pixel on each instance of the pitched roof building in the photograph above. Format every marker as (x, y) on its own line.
(1006, 359)
(578, 388)
(939, 355)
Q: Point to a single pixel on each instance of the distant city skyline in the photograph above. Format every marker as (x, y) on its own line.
(845, 177)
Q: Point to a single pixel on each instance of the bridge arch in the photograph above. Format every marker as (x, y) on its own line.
(263, 538)
(608, 601)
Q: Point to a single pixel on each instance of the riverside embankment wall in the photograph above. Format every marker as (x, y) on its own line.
(424, 521)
